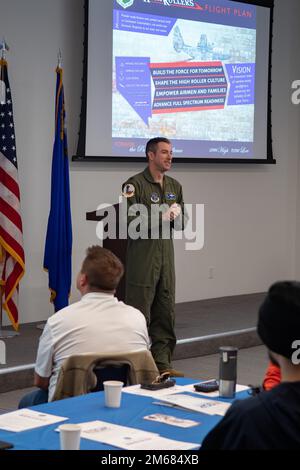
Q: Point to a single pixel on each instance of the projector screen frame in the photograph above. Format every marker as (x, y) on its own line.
(80, 153)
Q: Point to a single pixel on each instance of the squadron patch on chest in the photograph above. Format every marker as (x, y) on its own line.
(154, 198)
(128, 190)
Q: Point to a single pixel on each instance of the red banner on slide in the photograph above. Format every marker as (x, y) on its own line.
(188, 86)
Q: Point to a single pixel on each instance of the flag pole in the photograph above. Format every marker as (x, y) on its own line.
(5, 334)
(41, 326)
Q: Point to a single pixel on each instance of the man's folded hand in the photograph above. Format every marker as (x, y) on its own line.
(173, 212)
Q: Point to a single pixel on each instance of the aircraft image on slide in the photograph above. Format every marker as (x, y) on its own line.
(204, 50)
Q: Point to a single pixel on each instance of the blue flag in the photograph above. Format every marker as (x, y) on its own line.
(58, 248)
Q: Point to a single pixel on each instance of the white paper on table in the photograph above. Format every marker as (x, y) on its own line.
(202, 405)
(137, 390)
(129, 438)
(216, 394)
(172, 420)
(114, 434)
(25, 419)
(162, 443)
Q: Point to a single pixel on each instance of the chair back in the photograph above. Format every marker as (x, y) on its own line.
(111, 372)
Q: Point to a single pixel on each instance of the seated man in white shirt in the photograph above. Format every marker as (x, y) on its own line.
(98, 323)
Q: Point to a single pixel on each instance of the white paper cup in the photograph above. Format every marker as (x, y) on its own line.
(113, 392)
(69, 436)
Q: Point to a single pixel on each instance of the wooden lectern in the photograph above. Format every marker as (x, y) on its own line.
(117, 245)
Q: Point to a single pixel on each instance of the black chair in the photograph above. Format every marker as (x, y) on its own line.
(110, 372)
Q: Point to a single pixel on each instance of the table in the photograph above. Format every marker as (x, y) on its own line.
(133, 408)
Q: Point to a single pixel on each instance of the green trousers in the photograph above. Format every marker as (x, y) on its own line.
(151, 289)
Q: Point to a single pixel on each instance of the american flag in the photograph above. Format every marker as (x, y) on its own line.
(12, 260)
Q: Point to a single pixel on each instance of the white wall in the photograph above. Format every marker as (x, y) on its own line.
(35, 30)
(251, 212)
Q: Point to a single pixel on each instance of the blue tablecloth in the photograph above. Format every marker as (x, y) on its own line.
(131, 413)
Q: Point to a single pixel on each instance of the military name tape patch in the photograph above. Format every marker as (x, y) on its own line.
(128, 190)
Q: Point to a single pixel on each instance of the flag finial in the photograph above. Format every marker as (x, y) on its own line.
(3, 48)
(59, 59)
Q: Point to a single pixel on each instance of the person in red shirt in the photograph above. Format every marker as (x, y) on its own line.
(272, 376)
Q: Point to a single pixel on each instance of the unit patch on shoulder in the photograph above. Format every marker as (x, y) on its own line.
(128, 190)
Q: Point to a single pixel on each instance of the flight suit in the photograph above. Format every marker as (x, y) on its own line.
(150, 270)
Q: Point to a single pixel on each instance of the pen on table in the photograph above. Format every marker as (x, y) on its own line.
(170, 405)
(160, 403)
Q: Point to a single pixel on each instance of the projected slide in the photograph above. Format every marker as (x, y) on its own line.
(184, 69)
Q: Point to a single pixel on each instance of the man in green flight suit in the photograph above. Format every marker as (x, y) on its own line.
(154, 208)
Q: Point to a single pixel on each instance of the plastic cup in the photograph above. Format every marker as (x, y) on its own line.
(69, 436)
(113, 393)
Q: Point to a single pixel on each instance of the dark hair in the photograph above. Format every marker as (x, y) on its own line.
(102, 268)
(151, 145)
